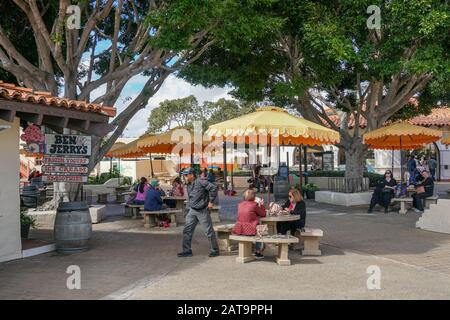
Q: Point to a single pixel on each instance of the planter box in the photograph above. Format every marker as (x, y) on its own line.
(344, 199)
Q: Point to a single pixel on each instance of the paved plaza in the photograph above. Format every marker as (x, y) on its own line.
(127, 261)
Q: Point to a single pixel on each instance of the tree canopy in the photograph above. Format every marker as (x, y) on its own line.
(184, 111)
(321, 58)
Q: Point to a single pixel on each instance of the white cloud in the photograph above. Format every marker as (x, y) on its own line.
(173, 88)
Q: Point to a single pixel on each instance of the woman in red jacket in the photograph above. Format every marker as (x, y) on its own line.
(249, 212)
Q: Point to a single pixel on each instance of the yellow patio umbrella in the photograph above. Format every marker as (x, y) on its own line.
(276, 124)
(113, 148)
(273, 125)
(164, 142)
(400, 136)
(129, 150)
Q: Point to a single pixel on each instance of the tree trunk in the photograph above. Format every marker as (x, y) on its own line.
(355, 156)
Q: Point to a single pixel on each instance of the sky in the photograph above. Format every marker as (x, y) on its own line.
(173, 88)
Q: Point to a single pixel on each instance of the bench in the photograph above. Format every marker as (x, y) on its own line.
(311, 240)
(430, 200)
(151, 217)
(102, 198)
(223, 237)
(403, 202)
(245, 247)
(133, 210)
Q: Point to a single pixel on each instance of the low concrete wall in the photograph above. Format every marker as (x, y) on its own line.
(46, 219)
(344, 199)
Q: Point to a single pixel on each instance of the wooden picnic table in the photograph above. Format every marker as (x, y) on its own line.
(272, 221)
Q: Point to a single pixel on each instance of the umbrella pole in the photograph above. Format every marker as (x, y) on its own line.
(151, 164)
(300, 166)
(401, 161)
(119, 171)
(225, 183)
(392, 161)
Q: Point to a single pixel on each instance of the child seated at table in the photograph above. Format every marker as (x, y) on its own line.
(249, 212)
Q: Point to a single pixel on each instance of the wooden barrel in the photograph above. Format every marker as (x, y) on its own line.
(73, 227)
(29, 196)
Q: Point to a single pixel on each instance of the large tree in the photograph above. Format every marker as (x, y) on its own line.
(117, 40)
(325, 61)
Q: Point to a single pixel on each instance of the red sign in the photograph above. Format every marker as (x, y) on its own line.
(64, 169)
(56, 178)
(66, 160)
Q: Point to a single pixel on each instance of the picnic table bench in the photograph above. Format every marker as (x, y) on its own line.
(223, 237)
(133, 210)
(311, 240)
(151, 217)
(403, 202)
(245, 247)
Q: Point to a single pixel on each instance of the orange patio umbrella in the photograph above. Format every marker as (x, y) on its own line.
(400, 136)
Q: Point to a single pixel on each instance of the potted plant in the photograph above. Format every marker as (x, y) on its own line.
(25, 223)
(310, 190)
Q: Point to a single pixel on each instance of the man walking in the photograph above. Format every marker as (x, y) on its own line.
(412, 164)
(201, 195)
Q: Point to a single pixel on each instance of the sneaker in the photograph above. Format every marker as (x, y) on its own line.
(259, 256)
(185, 254)
(416, 210)
(213, 254)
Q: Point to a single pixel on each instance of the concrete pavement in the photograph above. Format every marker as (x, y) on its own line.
(128, 262)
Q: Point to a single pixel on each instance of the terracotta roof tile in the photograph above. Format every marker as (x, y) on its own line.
(12, 92)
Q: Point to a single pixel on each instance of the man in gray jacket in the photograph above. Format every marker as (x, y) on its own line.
(201, 195)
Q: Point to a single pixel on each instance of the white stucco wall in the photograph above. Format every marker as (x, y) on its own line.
(10, 244)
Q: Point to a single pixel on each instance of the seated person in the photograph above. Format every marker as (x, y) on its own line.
(153, 201)
(141, 191)
(295, 205)
(384, 192)
(424, 190)
(249, 212)
(177, 191)
(177, 188)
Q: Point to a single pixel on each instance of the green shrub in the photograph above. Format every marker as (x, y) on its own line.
(311, 187)
(27, 220)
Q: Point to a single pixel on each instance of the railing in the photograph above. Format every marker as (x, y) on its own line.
(353, 185)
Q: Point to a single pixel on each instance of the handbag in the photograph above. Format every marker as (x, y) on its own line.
(420, 189)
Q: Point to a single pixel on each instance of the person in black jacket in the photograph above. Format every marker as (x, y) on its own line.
(384, 192)
(296, 205)
(428, 185)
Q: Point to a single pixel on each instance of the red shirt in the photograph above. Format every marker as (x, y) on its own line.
(248, 218)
